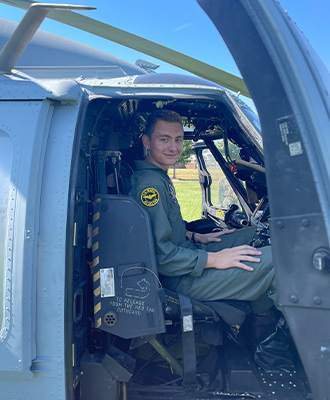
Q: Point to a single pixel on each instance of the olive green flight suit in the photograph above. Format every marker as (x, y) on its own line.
(182, 262)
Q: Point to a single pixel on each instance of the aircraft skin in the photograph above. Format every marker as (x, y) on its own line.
(34, 349)
(44, 200)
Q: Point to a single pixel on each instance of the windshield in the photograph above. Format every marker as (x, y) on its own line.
(251, 120)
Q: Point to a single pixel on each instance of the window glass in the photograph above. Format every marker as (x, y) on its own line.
(6, 157)
(225, 196)
(233, 150)
(222, 194)
(253, 118)
(186, 183)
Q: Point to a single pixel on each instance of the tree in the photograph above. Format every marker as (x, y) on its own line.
(186, 152)
(232, 149)
(185, 156)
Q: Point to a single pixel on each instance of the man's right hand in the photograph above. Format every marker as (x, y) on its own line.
(233, 257)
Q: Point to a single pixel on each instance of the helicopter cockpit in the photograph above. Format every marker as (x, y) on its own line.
(221, 131)
(135, 326)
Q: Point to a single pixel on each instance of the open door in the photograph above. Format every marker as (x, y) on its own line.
(289, 86)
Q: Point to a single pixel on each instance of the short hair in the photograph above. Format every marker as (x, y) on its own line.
(164, 115)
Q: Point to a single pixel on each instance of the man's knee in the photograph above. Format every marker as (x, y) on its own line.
(238, 238)
(266, 257)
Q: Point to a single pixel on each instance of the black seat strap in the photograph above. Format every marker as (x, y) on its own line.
(188, 341)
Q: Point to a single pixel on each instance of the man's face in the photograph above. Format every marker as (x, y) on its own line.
(165, 145)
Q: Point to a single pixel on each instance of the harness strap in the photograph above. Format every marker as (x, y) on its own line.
(188, 342)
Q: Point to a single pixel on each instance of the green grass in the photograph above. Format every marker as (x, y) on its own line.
(189, 196)
(189, 192)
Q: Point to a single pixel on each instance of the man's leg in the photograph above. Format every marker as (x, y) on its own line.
(234, 283)
(237, 238)
(241, 237)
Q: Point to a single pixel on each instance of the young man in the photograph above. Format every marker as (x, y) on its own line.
(206, 267)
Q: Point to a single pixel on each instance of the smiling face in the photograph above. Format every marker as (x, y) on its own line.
(165, 144)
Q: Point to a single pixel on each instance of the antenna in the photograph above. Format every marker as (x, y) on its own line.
(25, 31)
(146, 65)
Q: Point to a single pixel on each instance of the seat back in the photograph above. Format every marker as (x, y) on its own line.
(126, 285)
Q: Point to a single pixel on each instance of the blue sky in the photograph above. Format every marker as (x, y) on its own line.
(183, 26)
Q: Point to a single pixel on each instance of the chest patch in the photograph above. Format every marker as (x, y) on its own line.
(172, 191)
(150, 197)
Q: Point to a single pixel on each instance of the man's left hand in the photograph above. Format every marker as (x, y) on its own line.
(205, 238)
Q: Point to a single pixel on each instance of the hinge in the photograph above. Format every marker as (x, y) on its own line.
(82, 196)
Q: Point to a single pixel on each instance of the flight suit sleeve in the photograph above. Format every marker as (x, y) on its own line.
(172, 259)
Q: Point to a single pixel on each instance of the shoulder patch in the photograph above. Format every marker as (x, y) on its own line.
(172, 191)
(150, 197)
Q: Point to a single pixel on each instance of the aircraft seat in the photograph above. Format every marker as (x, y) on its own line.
(129, 300)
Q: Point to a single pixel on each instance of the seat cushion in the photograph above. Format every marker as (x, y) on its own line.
(233, 312)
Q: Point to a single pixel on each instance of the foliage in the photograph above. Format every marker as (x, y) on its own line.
(186, 153)
(232, 148)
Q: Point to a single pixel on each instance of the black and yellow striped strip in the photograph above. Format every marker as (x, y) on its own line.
(96, 268)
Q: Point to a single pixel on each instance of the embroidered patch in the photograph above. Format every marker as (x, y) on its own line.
(172, 191)
(150, 197)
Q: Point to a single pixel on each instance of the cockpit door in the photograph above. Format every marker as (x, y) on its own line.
(290, 88)
(24, 127)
